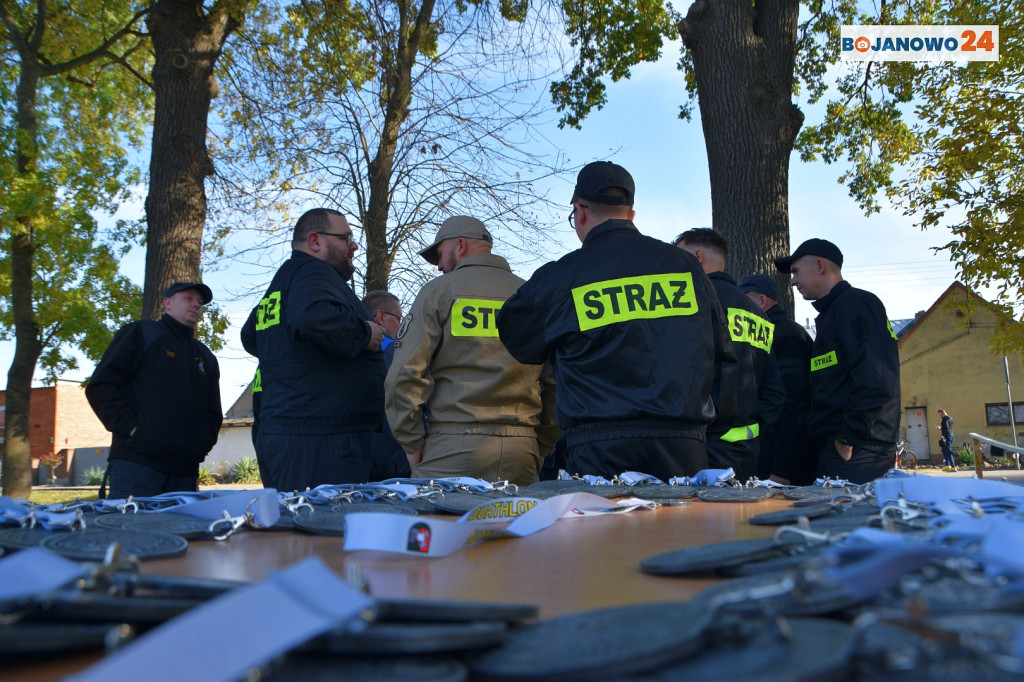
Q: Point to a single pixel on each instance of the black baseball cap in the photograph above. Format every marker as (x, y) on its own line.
(762, 284)
(812, 247)
(203, 290)
(598, 176)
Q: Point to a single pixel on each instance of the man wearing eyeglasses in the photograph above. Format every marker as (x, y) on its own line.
(321, 369)
(387, 458)
(488, 419)
(633, 329)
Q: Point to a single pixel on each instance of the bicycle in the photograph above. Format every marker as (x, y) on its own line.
(905, 457)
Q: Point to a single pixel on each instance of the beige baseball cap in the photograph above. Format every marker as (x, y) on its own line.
(456, 226)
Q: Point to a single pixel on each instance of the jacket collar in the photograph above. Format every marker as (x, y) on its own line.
(177, 327)
(722, 275)
(486, 259)
(822, 304)
(608, 226)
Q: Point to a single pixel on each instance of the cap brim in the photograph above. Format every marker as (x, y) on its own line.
(783, 264)
(430, 254)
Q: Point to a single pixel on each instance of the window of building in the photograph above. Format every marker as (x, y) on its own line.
(998, 414)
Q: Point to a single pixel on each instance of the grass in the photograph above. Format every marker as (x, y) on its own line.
(58, 496)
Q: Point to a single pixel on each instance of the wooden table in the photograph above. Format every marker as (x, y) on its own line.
(575, 565)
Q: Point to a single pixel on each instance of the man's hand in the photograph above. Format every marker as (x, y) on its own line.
(414, 457)
(376, 336)
(845, 451)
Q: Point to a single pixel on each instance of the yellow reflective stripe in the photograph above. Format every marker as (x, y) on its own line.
(257, 382)
(269, 312)
(746, 327)
(475, 317)
(891, 332)
(737, 433)
(823, 361)
(642, 297)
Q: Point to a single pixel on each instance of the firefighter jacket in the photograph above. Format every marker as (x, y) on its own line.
(633, 329)
(783, 443)
(309, 332)
(158, 379)
(448, 358)
(759, 390)
(855, 371)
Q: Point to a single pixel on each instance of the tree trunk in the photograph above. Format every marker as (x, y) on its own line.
(743, 59)
(396, 90)
(187, 41)
(17, 469)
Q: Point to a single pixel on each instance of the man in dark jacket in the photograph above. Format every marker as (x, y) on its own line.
(855, 368)
(784, 457)
(157, 390)
(633, 329)
(321, 366)
(946, 439)
(736, 443)
(387, 458)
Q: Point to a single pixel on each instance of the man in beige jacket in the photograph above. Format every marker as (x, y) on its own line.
(489, 416)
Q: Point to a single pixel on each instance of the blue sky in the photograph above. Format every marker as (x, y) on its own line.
(640, 129)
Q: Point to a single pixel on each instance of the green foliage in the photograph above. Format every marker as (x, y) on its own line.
(610, 37)
(58, 496)
(964, 454)
(246, 470)
(943, 143)
(93, 475)
(88, 113)
(206, 476)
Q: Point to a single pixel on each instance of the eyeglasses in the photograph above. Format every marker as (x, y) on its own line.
(572, 215)
(397, 317)
(345, 236)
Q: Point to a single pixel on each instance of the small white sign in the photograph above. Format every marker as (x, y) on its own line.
(919, 43)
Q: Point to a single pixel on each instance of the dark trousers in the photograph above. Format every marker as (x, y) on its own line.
(138, 480)
(947, 451)
(864, 465)
(662, 457)
(741, 455)
(298, 461)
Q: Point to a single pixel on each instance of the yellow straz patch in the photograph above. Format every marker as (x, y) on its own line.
(269, 312)
(823, 361)
(746, 327)
(502, 509)
(257, 382)
(475, 317)
(643, 297)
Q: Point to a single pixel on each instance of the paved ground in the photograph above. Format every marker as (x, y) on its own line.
(989, 473)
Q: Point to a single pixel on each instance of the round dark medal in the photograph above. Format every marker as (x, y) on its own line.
(91, 545)
(605, 644)
(20, 538)
(312, 667)
(458, 503)
(188, 527)
(736, 494)
(784, 516)
(333, 522)
(818, 649)
(665, 492)
(399, 610)
(709, 557)
(814, 492)
(413, 638)
(370, 507)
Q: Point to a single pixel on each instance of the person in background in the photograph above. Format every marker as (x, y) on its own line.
(784, 457)
(854, 420)
(635, 334)
(946, 439)
(760, 395)
(387, 458)
(157, 390)
(321, 366)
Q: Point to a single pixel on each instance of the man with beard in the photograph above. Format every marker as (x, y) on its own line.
(321, 366)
